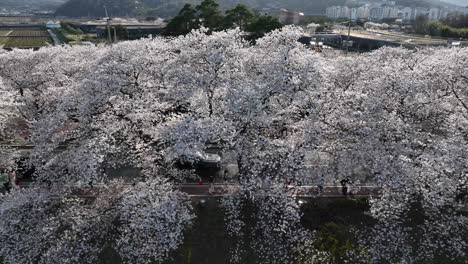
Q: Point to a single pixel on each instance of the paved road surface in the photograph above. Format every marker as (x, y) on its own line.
(195, 190)
(394, 37)
(300, 191)
(57, 41)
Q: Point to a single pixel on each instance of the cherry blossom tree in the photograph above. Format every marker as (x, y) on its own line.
(394, 118)
(142, 224)
(267, 221)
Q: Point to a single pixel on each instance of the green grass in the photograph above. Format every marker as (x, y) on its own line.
(29, 33)
(3, 40)
(5, 33)
(27, 42)
(62, 36)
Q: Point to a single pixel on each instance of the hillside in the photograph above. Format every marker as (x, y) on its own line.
(31, 4)
(169, 8)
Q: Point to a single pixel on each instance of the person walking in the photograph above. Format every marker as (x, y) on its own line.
(321, 183)
(211, 185)
(13, 180)
(6, 181)
(344, 185)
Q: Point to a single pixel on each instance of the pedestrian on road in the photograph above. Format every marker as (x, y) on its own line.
(461, 191)
(344, 185)
(320, 188)
(321, 183)
(226, 175)
(6, 181)
(13, 183)
(211, 185)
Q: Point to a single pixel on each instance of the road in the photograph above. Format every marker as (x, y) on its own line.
(299, 191)
(400, 38)
(57, 41)
(195, 190)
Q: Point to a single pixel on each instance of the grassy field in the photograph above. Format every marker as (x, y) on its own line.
(24, 37)
(4, 33)
(3, 40)
(29, 33)
(27, 42)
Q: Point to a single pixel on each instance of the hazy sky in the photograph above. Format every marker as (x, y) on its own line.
(458, 2)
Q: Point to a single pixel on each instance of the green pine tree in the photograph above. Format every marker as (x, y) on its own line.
(210, 15)
(238, 16)
(183, 23)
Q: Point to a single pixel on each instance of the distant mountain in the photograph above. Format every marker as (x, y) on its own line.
(32, 4)
(95, 8)
(169, 8)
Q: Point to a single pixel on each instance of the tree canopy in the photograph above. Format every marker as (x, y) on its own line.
(209, 16)
(395, 118)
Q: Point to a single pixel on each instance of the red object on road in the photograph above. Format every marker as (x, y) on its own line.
(288, 182)
(200, 183)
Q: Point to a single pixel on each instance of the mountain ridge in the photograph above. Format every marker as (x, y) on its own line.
(169, 8)
(33, 4)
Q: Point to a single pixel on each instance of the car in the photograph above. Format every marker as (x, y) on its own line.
(211, 162)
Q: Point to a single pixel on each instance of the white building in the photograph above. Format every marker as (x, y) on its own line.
(338, 12)
(444, 13)
(420, 11)
(463, 10)
(311, 28)
(376, 13)
(389, 12)
(434, 13)
(52, 24)
(354, 13)
(363, 12)
(289, 16)
(408, 14)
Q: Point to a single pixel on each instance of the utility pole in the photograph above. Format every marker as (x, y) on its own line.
(108, 26)
(349, 35)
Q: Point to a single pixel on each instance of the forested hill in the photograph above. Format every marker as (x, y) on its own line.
(169, 8)
(32, 4)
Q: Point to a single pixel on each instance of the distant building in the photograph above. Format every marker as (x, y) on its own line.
(136, 29)
(311, 28)
(421, 11)
(411, 13)
(434, 13)
(354, 13)
(462, 10)
(389, 10)
(335, 12)
(408, 14)
(376, 13)
(379, 13)
(363, 12)
(444, 13)
(134, 32)
(52, 24)
(289, 16)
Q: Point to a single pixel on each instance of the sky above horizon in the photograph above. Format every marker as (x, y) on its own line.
(458, 2)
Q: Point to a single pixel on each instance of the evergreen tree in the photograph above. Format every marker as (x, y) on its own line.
(238, 16)
(209, 15)
(261, 26)
(183, 23)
